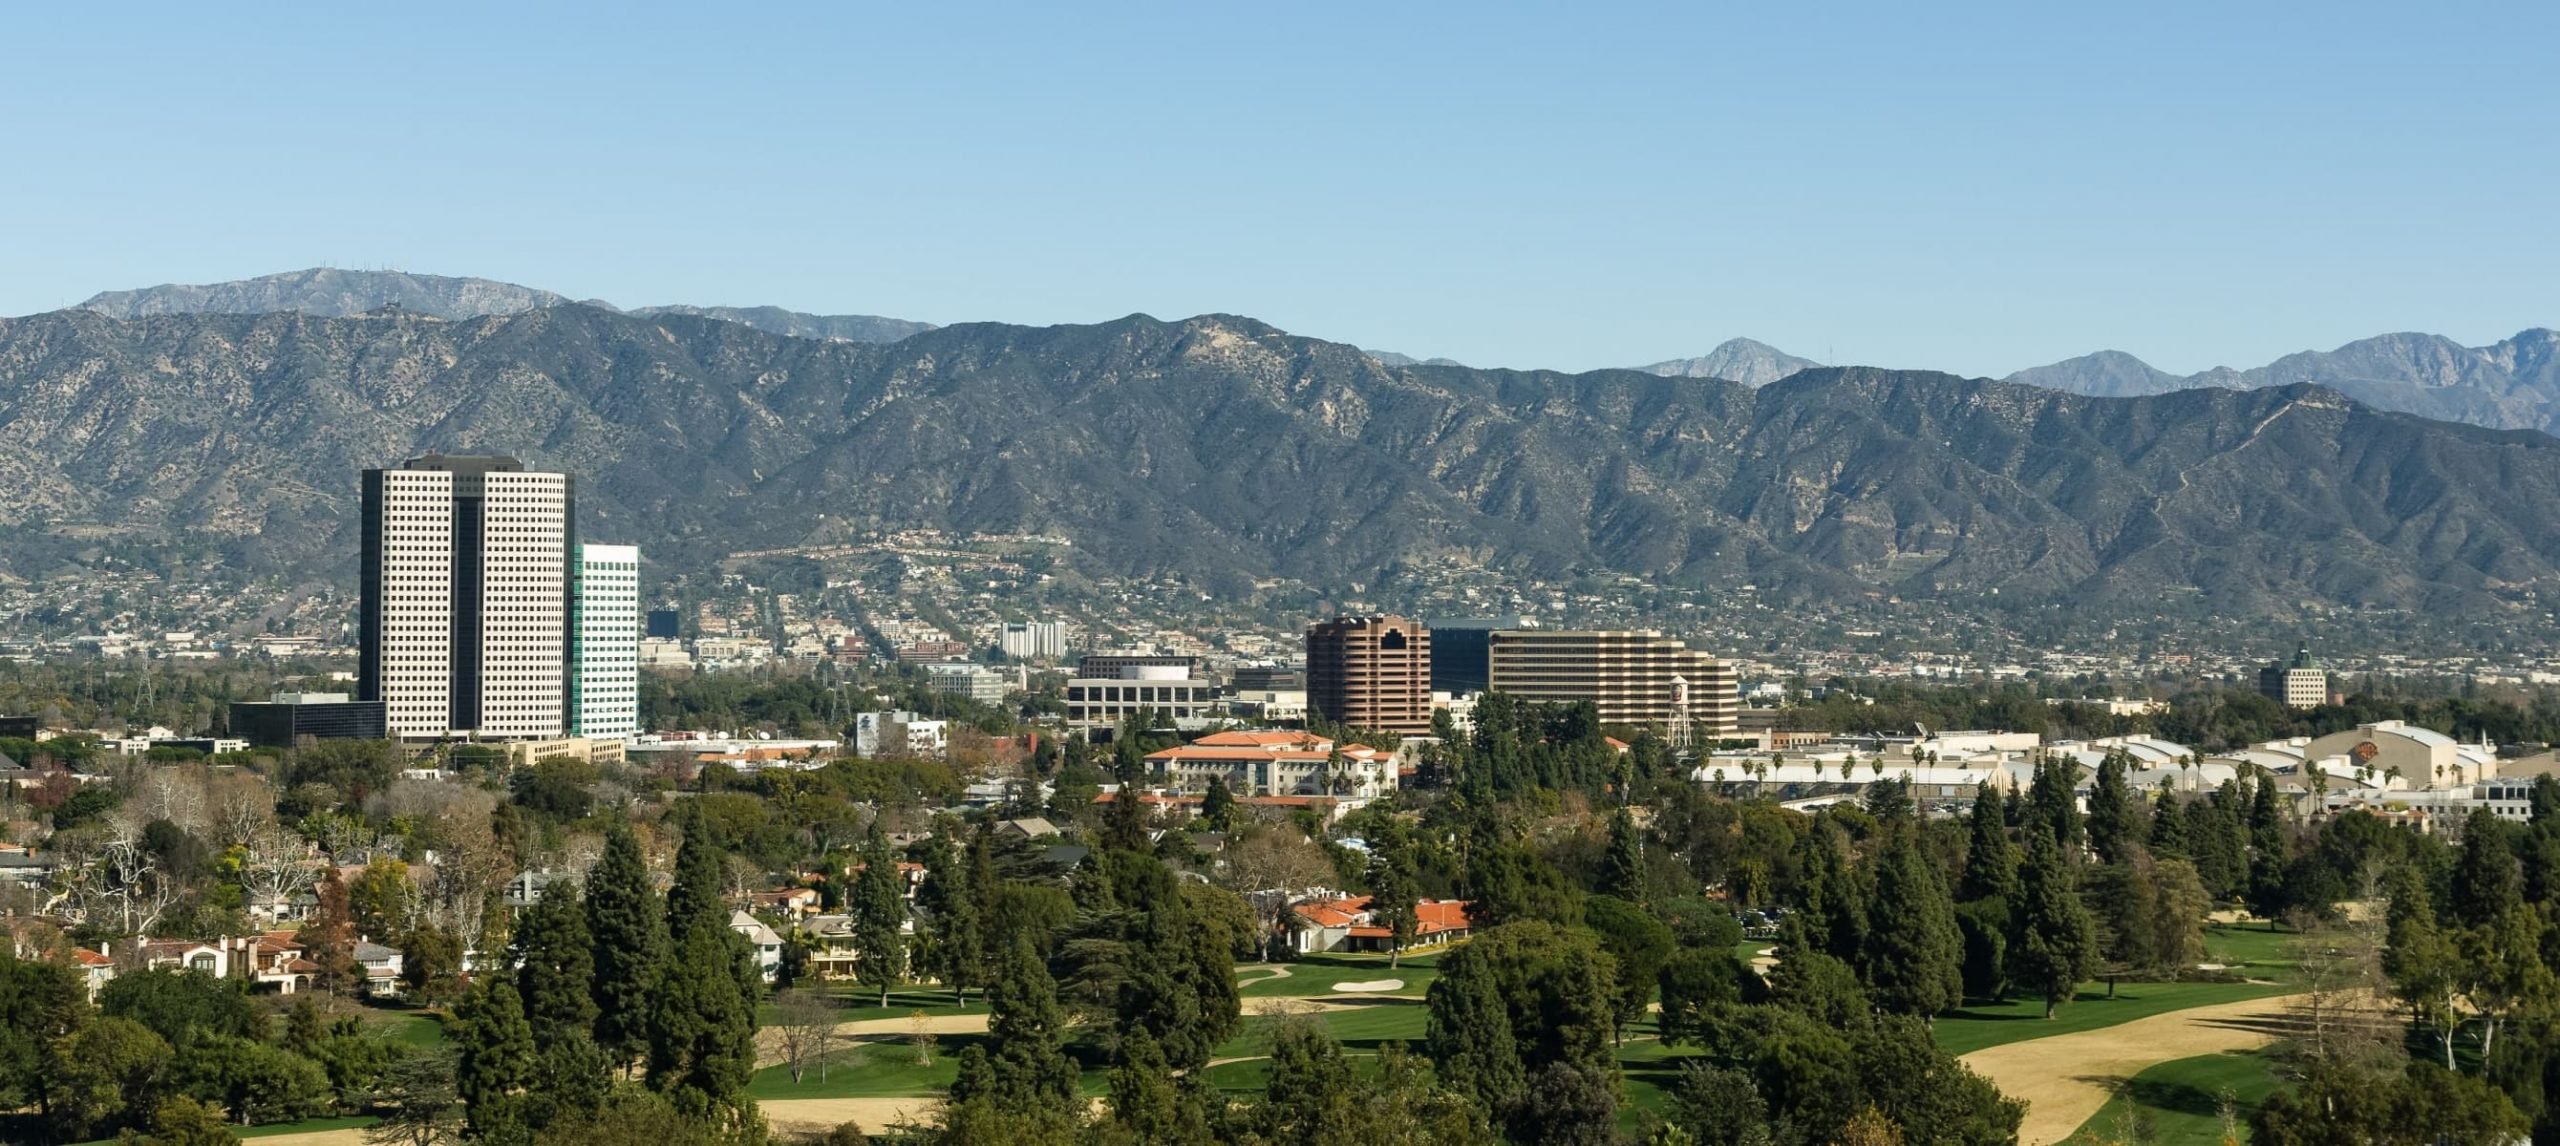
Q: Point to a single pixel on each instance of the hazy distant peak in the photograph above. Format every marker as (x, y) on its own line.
(1736, 360)
(335, 293)
(2107, 374)
(2510, 384)
(1391, 358)
(847, 327)
(330, 292)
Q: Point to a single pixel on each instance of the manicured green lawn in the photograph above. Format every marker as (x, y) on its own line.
(2261, 953)
(1315, 975)
(2253, 952)
(1361, 1029)
(416, 1030)
(1992, 1024)
(315, 1125)
(2179, 1102)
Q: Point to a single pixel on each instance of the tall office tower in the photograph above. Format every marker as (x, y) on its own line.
(1632, 677)
(2298, 683)
(1371, 672)
(465, 572)
(604, 636)
(1461, 647)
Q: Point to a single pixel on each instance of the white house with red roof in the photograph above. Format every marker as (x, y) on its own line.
(1350, 924)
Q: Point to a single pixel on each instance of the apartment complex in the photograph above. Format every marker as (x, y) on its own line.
(472, 622)
(604, 694)
(1033, 640)
(1633, 677)
(1371, 672)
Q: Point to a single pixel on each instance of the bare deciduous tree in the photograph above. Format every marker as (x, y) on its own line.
(1269, 867)
(805, 1026)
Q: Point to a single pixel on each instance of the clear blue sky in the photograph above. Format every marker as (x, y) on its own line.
(1963, 186)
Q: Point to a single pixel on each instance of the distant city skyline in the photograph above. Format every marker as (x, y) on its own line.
(1978, 189)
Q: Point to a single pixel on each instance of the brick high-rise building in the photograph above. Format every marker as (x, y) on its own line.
(1372, 673)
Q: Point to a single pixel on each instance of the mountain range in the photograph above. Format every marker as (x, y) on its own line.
(1223, 450)
(2513, 384)
(334, 293)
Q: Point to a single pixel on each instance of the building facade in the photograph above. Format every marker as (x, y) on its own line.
(284, 720)
(1372, 673)
(1110, 666)
(1276, 764)
(465, 572)
(1097, 704)
(1461, 650)
(2298, 683)
(1033, 640)
(976, 682)
(604, 694)
(1632, 677)
(899, 733)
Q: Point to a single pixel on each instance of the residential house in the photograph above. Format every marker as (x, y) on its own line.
(381, 968)
(1031, 828)
(527, 887)
(27, 867)
(277, 959)
(295, 906)
(1349, 924)
(790, 901)
(831, 954)
(183, 955)
(96, 970)
(767, 943)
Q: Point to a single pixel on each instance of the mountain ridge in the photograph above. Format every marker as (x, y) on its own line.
(335, 293)
(1223, 450)
(1735, 360)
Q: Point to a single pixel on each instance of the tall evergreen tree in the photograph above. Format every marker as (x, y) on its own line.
(1469, 1029)
(695, 896)
(879, 915)
(1915, 954)
(2056, 946)
(555, 958)
(494, 1061)
(2111, 811)
(1622, 875)
(2421, 961)
(2546, 797)
(629, 941)
(1144, 1101)
(702, 1028)
(555, 965)
(1990, 860)
(2486, 883)
(2169, 830)
(1218, 807)
(2053, 805)
(702, 1019)
(1835, 895)
(1394, 892)
(1027, 1030)
(952, 916)
(1314, 1096)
